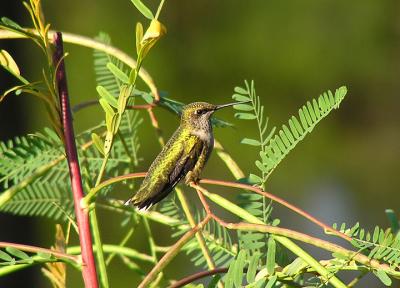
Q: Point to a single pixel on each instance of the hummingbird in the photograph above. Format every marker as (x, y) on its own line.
(184, 155)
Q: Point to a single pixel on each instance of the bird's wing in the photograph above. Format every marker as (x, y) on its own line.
(161, 179)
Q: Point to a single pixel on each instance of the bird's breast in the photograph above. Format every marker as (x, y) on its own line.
(203, 135)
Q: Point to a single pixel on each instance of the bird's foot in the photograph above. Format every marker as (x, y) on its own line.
(191, 179)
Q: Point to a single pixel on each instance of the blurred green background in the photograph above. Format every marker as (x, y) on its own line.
(346, 171)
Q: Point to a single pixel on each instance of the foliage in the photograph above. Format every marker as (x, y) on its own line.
(275, 146)
(381, 245)
(34, 181)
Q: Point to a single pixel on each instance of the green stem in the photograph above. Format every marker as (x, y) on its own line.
(228, 160)
(121, 244)
(151, 239)
(126, 148)
(167, 258)
(199, 235)
(123, 93)
(36, 260)
(159, 9)
(34, 249)
(120, 250)
(110, 181)
(152, 215)
(94, 44)
(353, 282)
(284, 241)
(99, 247)
(327, 276)
(153, 250)
(102, 169)
(256, 224)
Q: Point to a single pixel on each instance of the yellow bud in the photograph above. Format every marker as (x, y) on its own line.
(155, 31)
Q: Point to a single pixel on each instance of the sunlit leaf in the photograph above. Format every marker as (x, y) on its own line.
(243, 107)
(271, 281)
(18, 253)
(146, 12)
(98, 143)
(8, 62)
(252, 142)
(10, 23)
(271, 256)
(254, 179)
(139, 36)
(4, 256)
(240, 90)
(239, 97)
(118, 73)
(103, 92)
(148, 98)
(245, 116)
(383, 277)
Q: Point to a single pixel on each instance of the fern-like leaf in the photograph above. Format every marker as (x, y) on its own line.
(276, 145)
(20, 157)
(104, 77)
(41, 199)
(287, 138)
(380, 245)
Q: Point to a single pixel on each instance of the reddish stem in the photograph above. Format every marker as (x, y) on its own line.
(191, 278)
(139, 107)
(34, 249)
(89, 268)
(278, 200)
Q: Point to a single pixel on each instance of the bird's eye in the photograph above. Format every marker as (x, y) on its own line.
(199, 112)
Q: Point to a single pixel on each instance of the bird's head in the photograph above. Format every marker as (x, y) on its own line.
(198, 114)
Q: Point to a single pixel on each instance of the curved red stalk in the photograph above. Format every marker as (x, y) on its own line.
(85, 238)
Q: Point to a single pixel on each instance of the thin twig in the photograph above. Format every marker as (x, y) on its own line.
(94, 44)
(240, 186)
(326, 245)
(172, 253)
(35, 249)
(278, 200)
(89, 269)
(197, 276)
(154, 123)
(228, 160)
(93, 102)
(192, 223)
(140, 107)
(116, 249)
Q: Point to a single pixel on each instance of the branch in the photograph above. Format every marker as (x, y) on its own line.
(263, 228)
(172, 253)
(94, 44)
(197, 276)
(235, 185)
(278, 200)
(192, 222)
(228, 160)
(120, 250)
(89, 269)
(93, 102)
(113, 180)
(35, 249)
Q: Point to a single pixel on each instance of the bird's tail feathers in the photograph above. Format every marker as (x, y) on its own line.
(140, 205)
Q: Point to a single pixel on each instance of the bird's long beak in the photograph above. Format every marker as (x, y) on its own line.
(229, 104)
